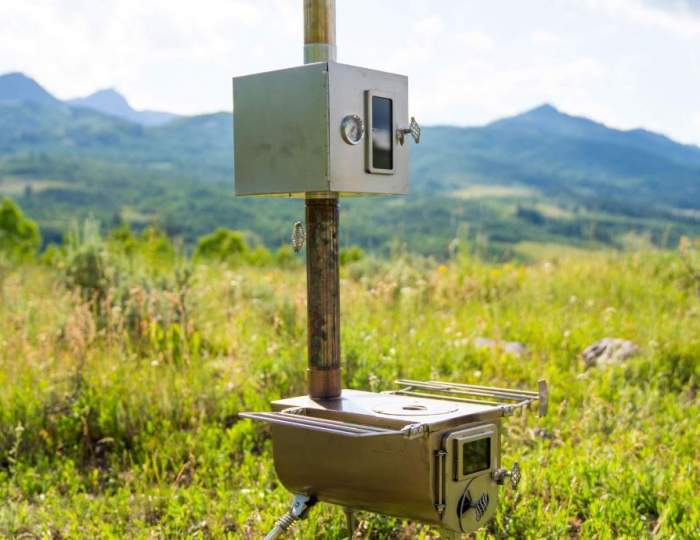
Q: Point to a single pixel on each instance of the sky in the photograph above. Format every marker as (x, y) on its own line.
(626, 63)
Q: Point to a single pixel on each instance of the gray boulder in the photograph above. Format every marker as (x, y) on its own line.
(609, 351)
(511, 347)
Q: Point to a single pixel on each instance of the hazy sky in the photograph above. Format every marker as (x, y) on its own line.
(628, 63)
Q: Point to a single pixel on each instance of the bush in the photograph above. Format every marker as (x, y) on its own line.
(259, 256)
(122, 241)
(135, 286)
(86, 265)
(285, 257)
(156, 249)
(222, 245)
(351, 254)
(19, 236)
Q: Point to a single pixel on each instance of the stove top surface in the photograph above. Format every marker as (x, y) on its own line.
(388, 406)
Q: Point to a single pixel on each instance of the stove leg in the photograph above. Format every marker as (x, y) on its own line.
(301, 504)
(352, 523)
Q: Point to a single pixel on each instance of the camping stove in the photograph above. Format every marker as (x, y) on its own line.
(428, 452)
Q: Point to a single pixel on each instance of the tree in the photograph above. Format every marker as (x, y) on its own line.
(19, 236)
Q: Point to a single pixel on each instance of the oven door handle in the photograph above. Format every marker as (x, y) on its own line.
(334, 427)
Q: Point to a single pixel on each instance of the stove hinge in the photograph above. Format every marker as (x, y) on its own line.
(440, 483)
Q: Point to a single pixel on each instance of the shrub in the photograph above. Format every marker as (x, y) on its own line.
(351, 254)
(259, 256)
(133, 289)
(285, 257)
(86, 265)
(122, 241)
(19, 236)
(688, 250)
(156, 249)
(221, 245)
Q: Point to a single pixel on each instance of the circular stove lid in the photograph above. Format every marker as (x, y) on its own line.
(414, 408)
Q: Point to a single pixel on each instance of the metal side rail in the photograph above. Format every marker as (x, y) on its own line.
(488, 395)
(347, 429)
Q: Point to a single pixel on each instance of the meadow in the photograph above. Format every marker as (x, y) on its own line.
(123, 365)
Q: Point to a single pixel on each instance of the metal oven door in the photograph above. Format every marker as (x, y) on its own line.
(470, 493)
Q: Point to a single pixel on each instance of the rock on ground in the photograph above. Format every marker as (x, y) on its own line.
(511, 347)
(609, 351)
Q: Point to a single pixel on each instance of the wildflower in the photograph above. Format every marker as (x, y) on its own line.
(442, 269)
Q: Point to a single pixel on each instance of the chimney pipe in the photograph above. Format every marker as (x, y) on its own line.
(322, 267)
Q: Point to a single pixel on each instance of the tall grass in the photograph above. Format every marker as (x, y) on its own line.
(118, 402)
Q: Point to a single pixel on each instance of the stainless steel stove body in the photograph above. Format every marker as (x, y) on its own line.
(429, 452)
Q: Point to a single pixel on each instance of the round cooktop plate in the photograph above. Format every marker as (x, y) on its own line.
(414, 408)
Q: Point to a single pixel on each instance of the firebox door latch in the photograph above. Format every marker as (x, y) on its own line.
(413, 130)
(499, 476)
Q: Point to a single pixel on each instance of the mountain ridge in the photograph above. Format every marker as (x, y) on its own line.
(18, 87)
(542, 175)
(110, 101)
(113, 103)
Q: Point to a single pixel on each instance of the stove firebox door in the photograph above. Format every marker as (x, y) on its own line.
(471, 493)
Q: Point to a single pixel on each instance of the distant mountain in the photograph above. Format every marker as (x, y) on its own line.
(17, 87)
(566, 156)
(111, 102)
(541, 176)
(546, 119)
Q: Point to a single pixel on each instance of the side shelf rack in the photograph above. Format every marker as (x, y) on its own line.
(484, 395)
(296, 418)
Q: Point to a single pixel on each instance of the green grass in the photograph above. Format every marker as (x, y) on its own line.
(121, 421)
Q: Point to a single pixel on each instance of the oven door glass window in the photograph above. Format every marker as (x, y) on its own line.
(382, 140)
(476, 456)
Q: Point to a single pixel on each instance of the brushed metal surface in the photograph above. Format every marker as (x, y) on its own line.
(392, 475)
(287, 136)
(362, 406)
(413, 407)
(280, 123)
(389, 475)
(348, 164)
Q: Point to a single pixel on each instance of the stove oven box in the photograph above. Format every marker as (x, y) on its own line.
(321, 128)
(429, 452)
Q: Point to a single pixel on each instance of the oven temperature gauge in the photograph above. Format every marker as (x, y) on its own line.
(352, 129)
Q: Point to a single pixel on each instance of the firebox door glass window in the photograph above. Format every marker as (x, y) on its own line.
(476, 456)
(382, 141)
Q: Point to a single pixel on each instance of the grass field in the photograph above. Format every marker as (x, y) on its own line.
(118, 396)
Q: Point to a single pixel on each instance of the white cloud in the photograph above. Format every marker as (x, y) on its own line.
(625, 62)
(688, 7)
(158, 52)
(542, 37)
(665, 15)
(490, 89)
(474, 41)
(431, 26)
